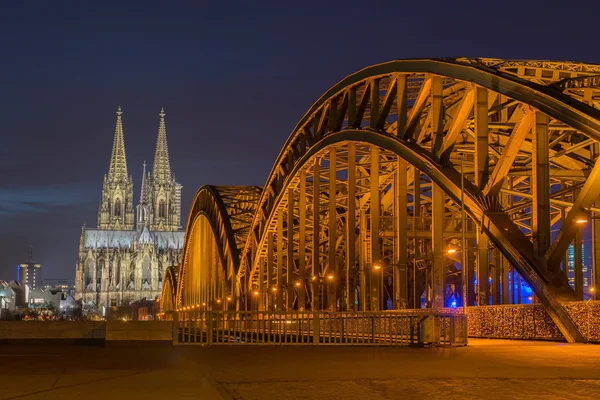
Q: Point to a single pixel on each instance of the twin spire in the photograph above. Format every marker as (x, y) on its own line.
(162, 166)
(118, 161)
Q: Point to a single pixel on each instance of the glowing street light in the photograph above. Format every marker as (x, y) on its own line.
(255, 293)
(330, 277)
(228, 298)
(274, 288)
(451, 250)
(581, 220)
(297, 284)
(592, 290)
(377, 266)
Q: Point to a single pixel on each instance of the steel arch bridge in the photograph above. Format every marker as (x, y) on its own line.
(362, 209)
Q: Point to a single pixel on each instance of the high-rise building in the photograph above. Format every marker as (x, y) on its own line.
(124, 258)
(571, 266)
(30, 273)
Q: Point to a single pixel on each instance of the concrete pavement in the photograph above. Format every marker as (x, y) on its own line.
(487, 369)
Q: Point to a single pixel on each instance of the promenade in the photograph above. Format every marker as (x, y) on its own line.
(487, 369)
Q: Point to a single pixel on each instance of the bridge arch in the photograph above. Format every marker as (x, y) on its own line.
(216, 229)
(526, 135)
(420, 109)
(169, 290)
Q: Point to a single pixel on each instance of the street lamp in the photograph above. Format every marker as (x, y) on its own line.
(376, 267)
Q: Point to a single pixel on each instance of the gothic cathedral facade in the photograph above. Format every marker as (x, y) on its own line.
(125, 257)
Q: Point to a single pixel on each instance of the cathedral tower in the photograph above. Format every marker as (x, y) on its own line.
(116, 207)
(160, 201)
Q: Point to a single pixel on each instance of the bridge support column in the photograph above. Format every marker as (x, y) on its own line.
(416, 225)
(540, 187)
(483, 271)
(280, 253)
(496, 296)
(595, 272)
(261, 289)
(289, 293)
(375, 246)
(578, 265)
(351, 230)
(332, 265)
(270, 261)
(438, 270)
(301, 287)
(316, 256)
(505, 268)
(362, 261)
(401, 236)
(481, 162)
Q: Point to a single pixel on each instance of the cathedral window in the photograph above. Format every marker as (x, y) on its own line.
(117, 208)
(89, 268)
(99, 270)
(162, 209)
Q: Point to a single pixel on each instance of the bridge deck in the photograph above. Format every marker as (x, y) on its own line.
(487, 368)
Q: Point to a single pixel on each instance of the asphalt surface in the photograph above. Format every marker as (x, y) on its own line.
(487, 369)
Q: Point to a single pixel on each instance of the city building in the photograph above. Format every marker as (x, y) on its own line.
(30, 273)
(124, 259)
(13, 297)
(585, 270)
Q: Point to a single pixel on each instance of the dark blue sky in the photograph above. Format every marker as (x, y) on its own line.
(234, 79)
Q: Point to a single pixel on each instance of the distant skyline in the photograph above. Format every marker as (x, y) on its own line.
(234, 79)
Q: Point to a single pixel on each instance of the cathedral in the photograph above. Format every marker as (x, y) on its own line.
(124, 258)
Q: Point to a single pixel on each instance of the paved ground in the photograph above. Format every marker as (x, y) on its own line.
(487, 369)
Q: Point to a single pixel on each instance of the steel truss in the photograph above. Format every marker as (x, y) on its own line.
(363, 202)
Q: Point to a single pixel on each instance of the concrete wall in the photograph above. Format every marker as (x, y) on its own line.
(139, 330)
(79, 330)
(52, 330)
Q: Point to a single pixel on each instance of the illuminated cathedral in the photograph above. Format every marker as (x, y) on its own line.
(124, 258)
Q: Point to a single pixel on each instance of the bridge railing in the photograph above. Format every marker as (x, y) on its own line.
(319, 328)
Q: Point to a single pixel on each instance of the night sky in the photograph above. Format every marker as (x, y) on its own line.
(234, 79)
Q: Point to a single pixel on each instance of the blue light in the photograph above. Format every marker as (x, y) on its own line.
(453, 304)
